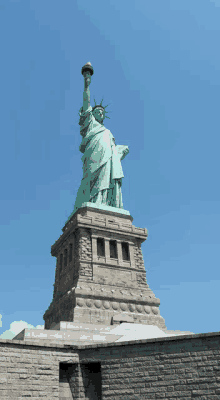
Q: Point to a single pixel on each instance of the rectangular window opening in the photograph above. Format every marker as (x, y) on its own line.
(100, 247)
(68, 375)
(92, 382)
(113, 249)
(125, 251)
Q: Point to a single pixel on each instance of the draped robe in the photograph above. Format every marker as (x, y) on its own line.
(102, 170)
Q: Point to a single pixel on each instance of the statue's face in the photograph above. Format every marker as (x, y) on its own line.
(98, 114)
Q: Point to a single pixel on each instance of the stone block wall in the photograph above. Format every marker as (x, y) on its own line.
(84, 254)
(184, 367)
(179, 368)
(141, 279)
(31, 371)
(138, 256)
(61, 309)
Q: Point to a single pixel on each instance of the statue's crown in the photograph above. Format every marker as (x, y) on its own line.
(97, 106)
(101, 106)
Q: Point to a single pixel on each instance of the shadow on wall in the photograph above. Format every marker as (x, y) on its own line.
(86, 376)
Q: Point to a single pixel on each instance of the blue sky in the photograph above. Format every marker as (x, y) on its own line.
(158, 64)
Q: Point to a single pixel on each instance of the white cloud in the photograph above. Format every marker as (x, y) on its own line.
(16, 327)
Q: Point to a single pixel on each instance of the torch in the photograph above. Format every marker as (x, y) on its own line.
(87, 71)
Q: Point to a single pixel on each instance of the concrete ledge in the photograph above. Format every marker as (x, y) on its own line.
(106, 208)
(47, 343)
(82, 327)
(99, 208)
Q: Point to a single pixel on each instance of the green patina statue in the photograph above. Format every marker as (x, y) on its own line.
(102, 170)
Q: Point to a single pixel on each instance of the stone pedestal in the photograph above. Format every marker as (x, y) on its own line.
(100, 271)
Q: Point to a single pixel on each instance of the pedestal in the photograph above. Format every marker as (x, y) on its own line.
(100, 275)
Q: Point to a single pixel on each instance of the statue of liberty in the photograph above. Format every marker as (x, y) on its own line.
(102, 170)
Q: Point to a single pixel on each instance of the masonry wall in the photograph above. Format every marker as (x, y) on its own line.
(178, 368)
(186, 367)
(31, 371)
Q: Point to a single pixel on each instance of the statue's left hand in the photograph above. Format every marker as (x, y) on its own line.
(125, 151)
(122, 151)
